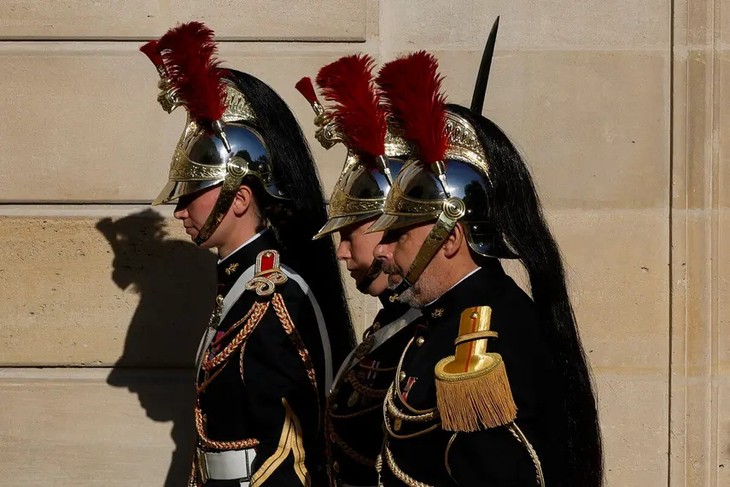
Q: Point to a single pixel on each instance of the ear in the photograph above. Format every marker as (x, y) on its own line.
(242, 201)
(454, 242)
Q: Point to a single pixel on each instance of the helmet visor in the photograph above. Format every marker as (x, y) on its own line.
(176, 189)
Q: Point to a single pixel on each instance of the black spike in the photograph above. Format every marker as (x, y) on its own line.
(480, 87)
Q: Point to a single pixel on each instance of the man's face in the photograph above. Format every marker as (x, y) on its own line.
(397, 251)
(356, 250)
(193, 210)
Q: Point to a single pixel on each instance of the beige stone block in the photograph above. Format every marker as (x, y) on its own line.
(73, 293)
(95, 427)
(618, 278)
(440, 24)
(309, 20)
(81, 122)
(633, 411)
(723, 427)
(90, 291)
(363, 308)
(253, 20)
(593, 126)
(723, 290)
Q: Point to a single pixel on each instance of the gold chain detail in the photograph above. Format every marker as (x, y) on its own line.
(400, 474)
(397, 384)
(233, 328)
(363, 389)
(521, 438)
(415, 418)
(355, 414)
(193, 477)
(398, 436)
(257, 313)
(252, 319)
(219, 445)
(346, 448)
(288, 325)
(265, 284)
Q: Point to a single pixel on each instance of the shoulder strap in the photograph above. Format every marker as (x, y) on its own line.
(239, 287)
(320, 323)
(378, 338)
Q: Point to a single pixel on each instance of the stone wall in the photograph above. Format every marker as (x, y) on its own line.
(620, 108)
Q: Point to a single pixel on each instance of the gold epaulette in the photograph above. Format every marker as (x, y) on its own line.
(472, 389)
(267, 275)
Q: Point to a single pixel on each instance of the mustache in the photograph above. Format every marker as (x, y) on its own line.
(376, 267)
(373, 272)
(392, 268)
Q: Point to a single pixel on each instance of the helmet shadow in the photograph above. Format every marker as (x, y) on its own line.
(176, 284)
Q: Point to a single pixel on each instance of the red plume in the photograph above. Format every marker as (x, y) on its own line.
(348, 82)
(189, 55)
(412, 90)
(152, 51)
(304, 86)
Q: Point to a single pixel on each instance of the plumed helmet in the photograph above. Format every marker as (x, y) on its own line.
(202, 159)
(220, 143)
(375, 149)
(419, 195)
(447, 178)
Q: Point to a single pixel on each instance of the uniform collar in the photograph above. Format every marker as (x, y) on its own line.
(475, 289)
(391, 309)
(234, 264)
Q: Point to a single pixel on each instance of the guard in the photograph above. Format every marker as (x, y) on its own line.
(245, 185)
(375, 152)
(494, 388)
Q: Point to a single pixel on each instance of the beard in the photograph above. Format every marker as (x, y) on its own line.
(414, 295)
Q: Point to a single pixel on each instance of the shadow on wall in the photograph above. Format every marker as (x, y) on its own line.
(176, 284)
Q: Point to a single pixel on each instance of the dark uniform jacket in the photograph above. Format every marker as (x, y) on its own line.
(270, 388)
(354, 413)
(417, 448)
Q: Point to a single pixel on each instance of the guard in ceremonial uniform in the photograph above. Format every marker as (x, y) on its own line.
(353, 417)
(493, 389)
(246, 185)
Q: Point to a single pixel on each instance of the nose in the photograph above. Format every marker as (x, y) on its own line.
(384, 252)
(343, 250)
(181, 210)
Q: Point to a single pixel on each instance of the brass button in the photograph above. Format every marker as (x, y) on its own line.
(402, 376)
(353, 399)
(376, 326)
(420, 341)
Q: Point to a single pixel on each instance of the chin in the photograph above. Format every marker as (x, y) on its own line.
(376, 289)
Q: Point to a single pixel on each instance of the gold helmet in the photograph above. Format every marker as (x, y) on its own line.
(220, 143)
(375, 149)
(447, 180)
